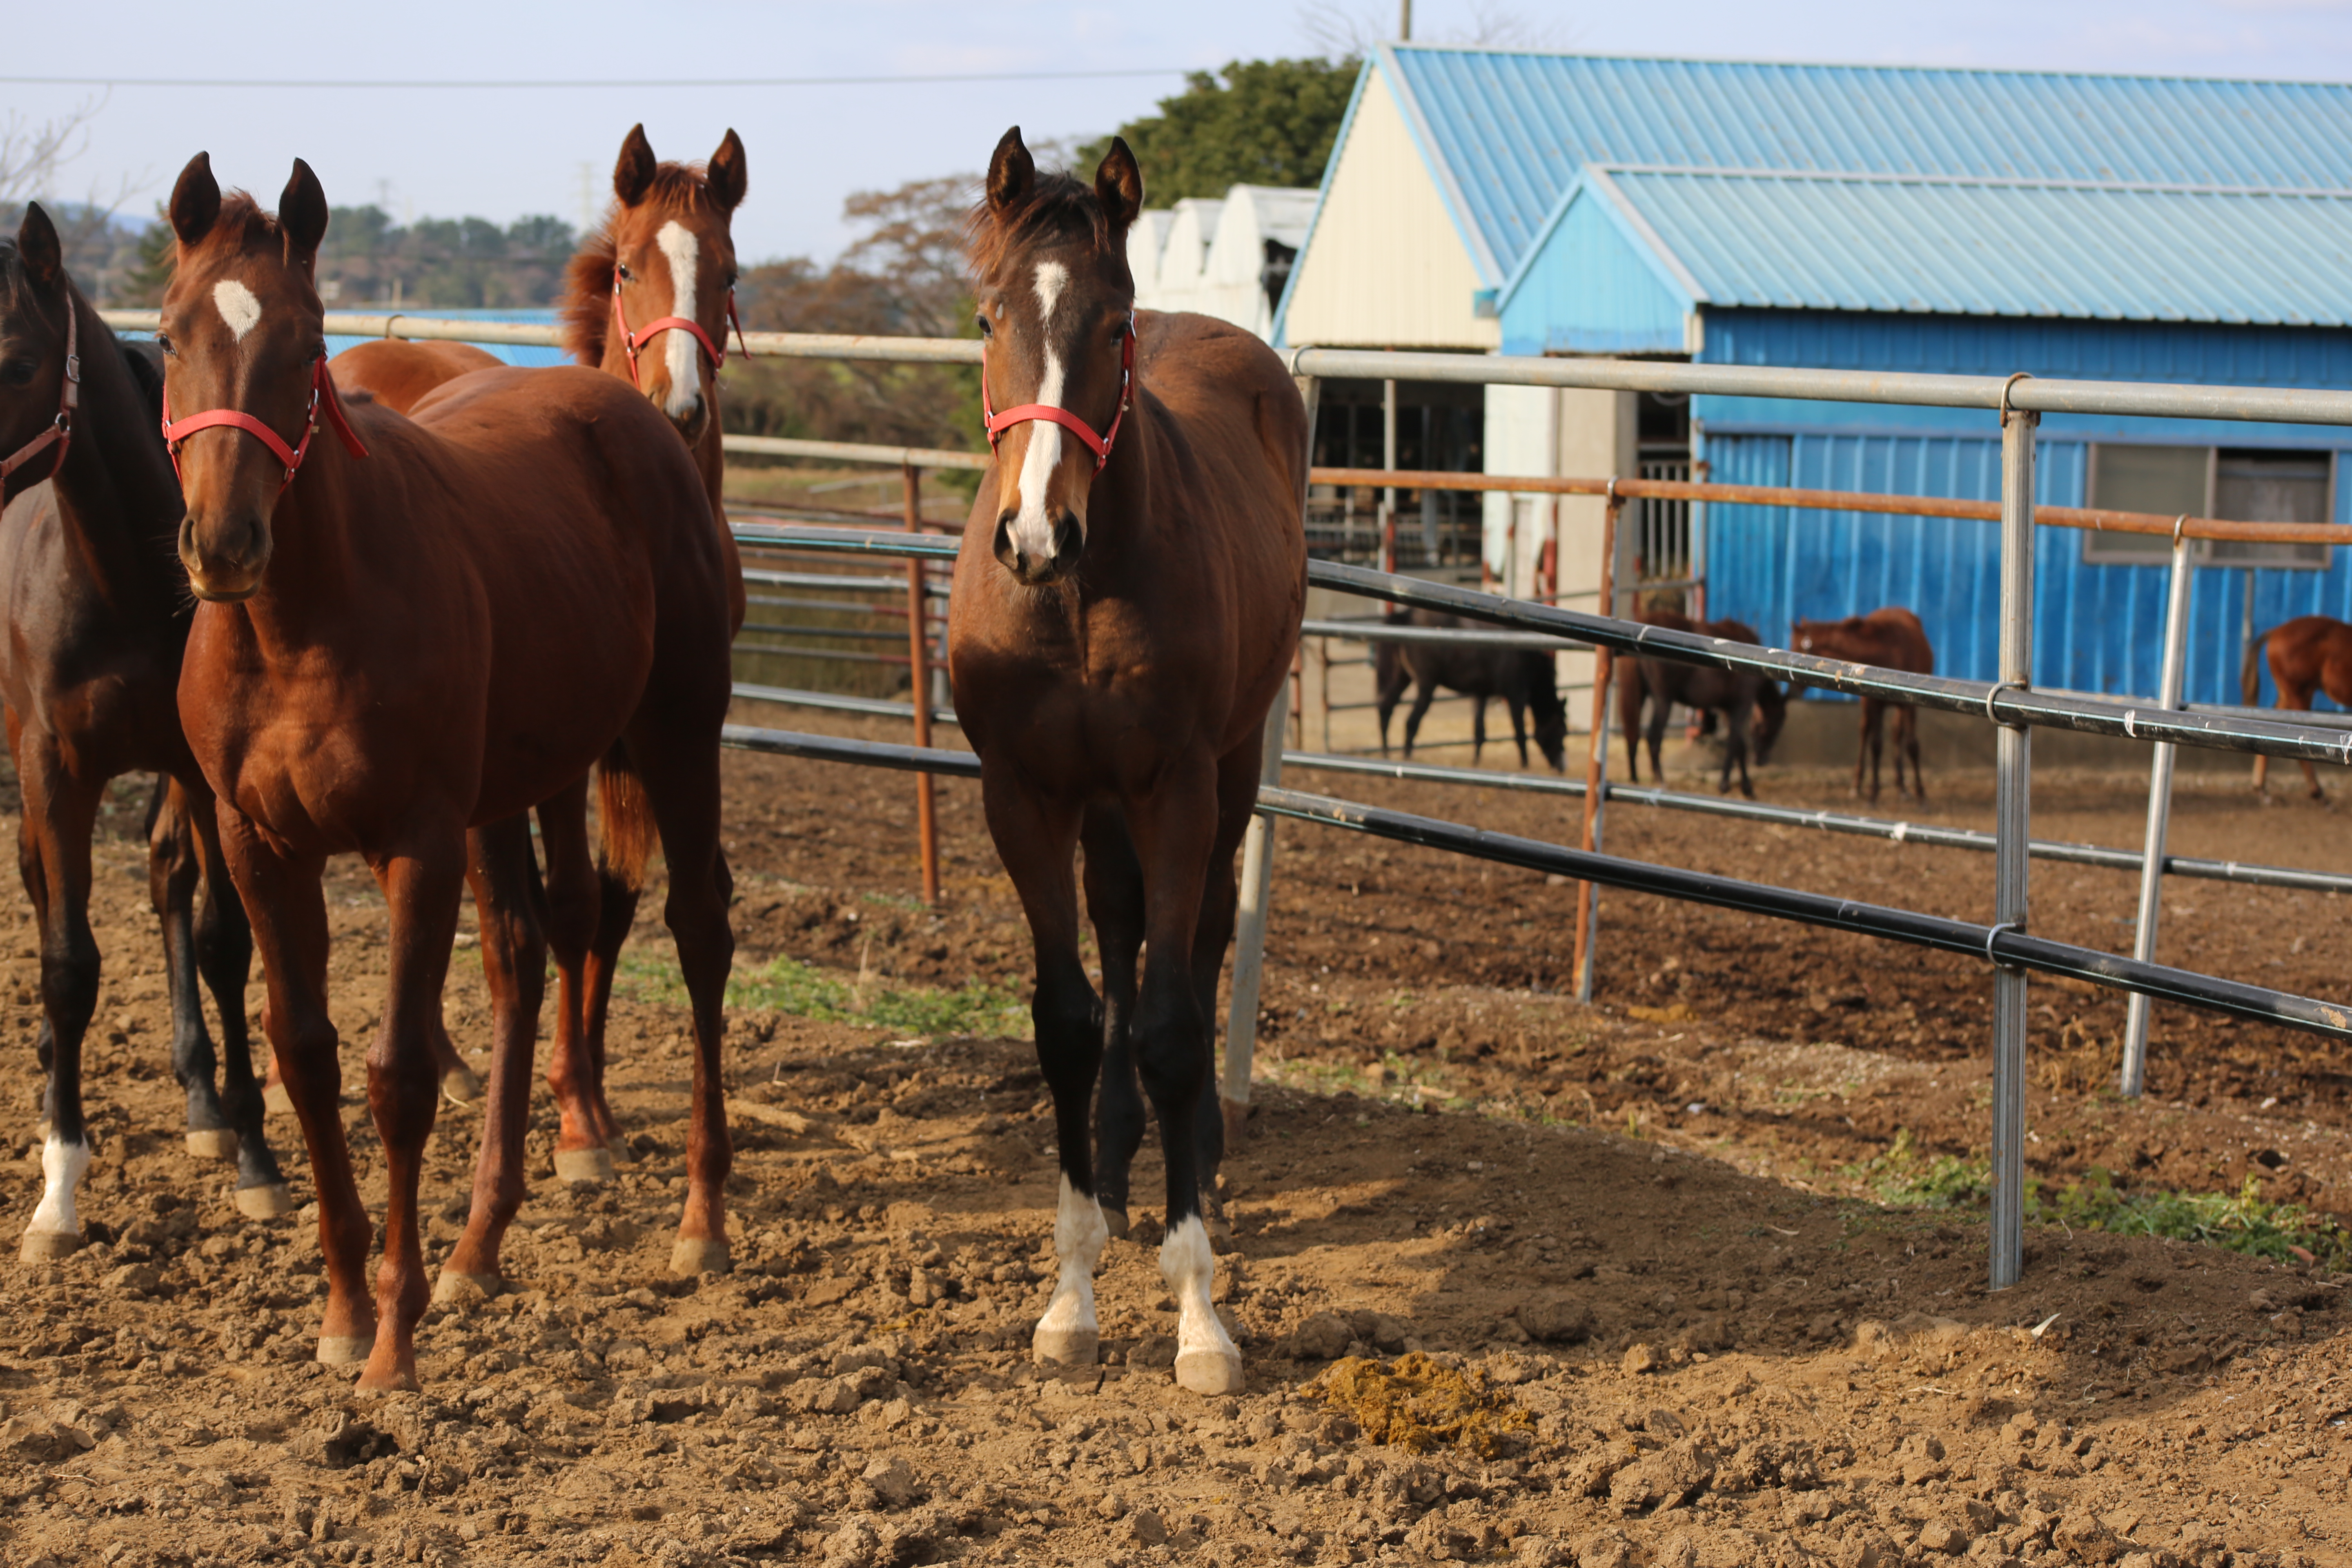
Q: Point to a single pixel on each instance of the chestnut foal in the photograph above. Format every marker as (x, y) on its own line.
(412, 630)
(97, 621)
(1125, 607)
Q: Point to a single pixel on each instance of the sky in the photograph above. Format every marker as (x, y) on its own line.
(1080, 69)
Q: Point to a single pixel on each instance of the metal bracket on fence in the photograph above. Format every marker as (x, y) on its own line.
(388, 324)
(2178, 524)
(2008, 386)
(1990, 936)
(1998, 687)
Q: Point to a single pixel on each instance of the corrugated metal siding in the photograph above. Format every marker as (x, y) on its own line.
(1964, 345)
(1514, 129)
(1595, 294)
(1999, 249)
(2096, 627)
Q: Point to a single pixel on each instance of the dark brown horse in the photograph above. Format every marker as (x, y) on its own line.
(1125, 607)
(1891, 639)
(96, 624)
(2308, 654)
(1525, 679)
(665, 252)
(1659, 684)
(402, 652)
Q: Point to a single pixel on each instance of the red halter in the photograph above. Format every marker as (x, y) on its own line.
(323, 394)
(636, 342)
(60, 431)
(998, 424)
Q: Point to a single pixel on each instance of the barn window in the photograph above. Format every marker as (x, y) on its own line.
(2243, 485)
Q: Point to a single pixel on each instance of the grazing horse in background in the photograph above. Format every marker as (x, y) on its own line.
(1660, 683)
(1891, 639)
(96, 624)
(412, 634)
(1525, 678)
(2308, 654)
(1125, 607)
(664, 259)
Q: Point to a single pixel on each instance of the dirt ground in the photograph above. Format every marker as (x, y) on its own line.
(1613, 1280)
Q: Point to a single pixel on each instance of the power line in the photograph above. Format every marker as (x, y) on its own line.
(419, 83)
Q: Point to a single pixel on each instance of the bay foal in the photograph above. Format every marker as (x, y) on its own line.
(1125, 607)
(97, 621)
(1892, 638)
(412, 630)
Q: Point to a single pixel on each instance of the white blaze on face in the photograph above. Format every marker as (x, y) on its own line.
(682, 351)
(1032, 530)
(238, 306)
(62, 1164)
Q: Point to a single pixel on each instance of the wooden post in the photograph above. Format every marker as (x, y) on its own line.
(1596, 764)
(919, 652)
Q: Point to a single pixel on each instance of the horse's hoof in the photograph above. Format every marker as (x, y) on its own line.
(48, 1245)
(265, 1200)
(399, 1380)
(344, 1350)
(583, 1165)
(1210, 1371)
(275, 1100)
(460, 1085)
(1065, 1347)
(695, 1255)
(212, 1144)
(456, 1289)
(1115, 1222)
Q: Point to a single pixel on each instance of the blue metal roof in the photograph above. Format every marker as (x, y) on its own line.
(1506, 133)
(2000, 248)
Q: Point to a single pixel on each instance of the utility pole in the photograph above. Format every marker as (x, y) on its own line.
(1404, 21)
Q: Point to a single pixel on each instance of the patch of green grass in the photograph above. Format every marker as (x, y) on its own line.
(787, 986)
(2241, 1221)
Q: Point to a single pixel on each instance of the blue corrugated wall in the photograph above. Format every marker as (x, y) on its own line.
(2097, 629)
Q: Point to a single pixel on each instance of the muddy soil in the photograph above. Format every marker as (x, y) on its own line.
(1623, 1251)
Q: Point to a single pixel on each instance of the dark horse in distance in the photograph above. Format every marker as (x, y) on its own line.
(1739, 697)
(1525, 679)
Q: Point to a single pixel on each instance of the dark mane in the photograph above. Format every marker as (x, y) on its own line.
(587, 308)
(1058, 205)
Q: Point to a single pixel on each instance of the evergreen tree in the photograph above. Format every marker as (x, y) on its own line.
(1256, 122)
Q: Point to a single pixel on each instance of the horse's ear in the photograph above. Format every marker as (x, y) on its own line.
(1119, 185)
(37, 243)
(1011, 172)
(302, 213)
(634, 174)
(725, 174)
(195, 200)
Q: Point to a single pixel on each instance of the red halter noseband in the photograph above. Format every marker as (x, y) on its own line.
(998, 424)
(634, 342)
(60, 433)
(323, 394)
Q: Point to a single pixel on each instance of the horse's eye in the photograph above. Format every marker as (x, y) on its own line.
(627, 275)
(19, 371)
(981, 320)
(164, 342)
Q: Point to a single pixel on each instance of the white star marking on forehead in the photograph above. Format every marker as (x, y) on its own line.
(1052, 278)
(238, 306)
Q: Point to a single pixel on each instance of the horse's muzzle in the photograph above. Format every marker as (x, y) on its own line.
(225, 576)
(1039, 569)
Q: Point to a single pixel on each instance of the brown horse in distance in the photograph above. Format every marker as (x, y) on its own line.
(1125, 607)
(90, 672)
(2308, 654)
(1891, 639)
(401, 653)
(1659, 684)
(668, 242)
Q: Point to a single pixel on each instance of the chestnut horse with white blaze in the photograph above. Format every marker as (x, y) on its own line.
(664, 258)
(1126, 606)
(2306, 655)
(413, 632)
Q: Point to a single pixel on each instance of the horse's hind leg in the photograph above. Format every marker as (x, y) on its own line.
(59, 812)
(1114, 884)
(1907, 735)
(1237, 776)
(1176, 827)
(585, 1135)
(514, 961)
(1423, 694)
(224, 958)
(1036, 838)
(171, 877)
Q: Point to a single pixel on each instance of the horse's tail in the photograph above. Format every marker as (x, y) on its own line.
(625, 818)
(2250, 671)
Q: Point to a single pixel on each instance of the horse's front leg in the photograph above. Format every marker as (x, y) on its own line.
(1423, 694)
(583, 1143)
(1519, 707)
(173, 873)
(1036, 838)
(514, 961)
(283, 895)
(53, 856)
(421, 881)
(224, 958)
(1176, 831)
(1114, 882)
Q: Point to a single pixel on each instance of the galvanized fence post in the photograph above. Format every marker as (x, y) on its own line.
(1256, 902)
(919, 686)
(2160, 814)
(2012, 829)
(1596, 759)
